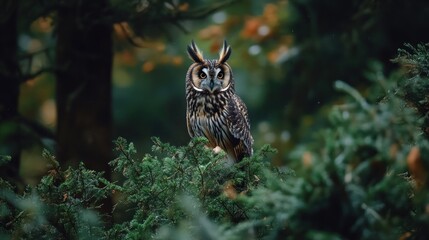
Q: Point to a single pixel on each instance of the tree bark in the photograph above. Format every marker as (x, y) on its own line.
(84, 58)
(9, 90)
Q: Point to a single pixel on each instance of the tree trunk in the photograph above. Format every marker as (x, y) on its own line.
(84, 58)
(9, 90)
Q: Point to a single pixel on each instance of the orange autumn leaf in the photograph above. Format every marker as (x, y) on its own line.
(230, 191)
(406, 235)
(273, 56)
(415, 166)
(270, 14)
(177, 60)
(119, 32)
(307, 159)
(214, 31)
(215, 47)
(43, 24)
(251, 27)
(148, 66)
(393, 151)
(183, 7)
(127, 58)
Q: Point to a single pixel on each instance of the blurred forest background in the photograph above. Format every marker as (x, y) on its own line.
(286, 56)
(77, 74)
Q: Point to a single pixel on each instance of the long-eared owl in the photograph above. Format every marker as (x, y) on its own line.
(213, 109)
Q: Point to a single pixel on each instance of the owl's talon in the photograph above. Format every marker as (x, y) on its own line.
(217, 150)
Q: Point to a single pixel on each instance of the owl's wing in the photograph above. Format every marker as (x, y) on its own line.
(239, 125)
(188, 125)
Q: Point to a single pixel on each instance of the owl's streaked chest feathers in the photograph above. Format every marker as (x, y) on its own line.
(207, 105)
(208, 117)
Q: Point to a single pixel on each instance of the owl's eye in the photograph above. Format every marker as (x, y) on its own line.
(203, 75)
(220, 75)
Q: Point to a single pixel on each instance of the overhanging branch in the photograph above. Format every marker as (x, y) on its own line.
(29, 76)
(174, 17)
(202, 12)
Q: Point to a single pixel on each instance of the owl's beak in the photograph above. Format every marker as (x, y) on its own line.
(211, 85)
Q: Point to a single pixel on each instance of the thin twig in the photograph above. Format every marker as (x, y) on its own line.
(14, 219)
(202, 12)
(131, 36)
(27, 77)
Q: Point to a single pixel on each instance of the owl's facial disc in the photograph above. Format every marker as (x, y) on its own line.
(212, 80)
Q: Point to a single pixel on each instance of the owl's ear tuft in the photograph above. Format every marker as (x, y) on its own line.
(224, 53)
(194, 53)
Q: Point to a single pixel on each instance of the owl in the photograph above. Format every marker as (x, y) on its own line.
(213, 108)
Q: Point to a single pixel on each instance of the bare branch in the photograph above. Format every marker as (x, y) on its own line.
(131, 36)
(26, 59)
(203, 12)
(175, 17)
(27, 77)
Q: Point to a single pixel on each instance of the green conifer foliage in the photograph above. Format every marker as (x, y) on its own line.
(62, 206)
(415, 88)
(154, 184)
